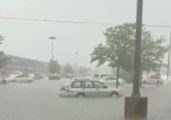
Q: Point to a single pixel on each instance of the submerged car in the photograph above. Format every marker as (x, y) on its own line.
(22, 79)
(98, 76)
(82, 88)
(153, 80)
(111, 81)
(38, 77)
(54, 77)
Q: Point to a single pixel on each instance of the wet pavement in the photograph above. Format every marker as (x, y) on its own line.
(39, 101)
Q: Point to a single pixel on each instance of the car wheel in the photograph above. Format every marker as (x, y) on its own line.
(80, 95)
(114, 94)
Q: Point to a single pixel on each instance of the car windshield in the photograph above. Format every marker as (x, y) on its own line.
(85, 59)
(22, 76)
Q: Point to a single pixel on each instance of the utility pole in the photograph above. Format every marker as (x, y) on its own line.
(137, 53)
(136, 106)
(168, 64)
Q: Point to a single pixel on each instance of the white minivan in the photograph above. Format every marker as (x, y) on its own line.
(81, 88)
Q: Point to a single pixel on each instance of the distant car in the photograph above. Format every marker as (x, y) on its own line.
(152, 80)
(12, 77)
(81, 88)
(98, 76)
(81, 78)
(55, 77)
(22, 79)
(38, 77)
(111, 81)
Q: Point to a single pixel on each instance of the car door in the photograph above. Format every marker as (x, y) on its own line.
(101, 89)
(76, 87)
(89, 89)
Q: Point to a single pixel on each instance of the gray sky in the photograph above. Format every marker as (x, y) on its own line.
(30, 39)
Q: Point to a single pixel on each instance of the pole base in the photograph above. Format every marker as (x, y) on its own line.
(136, 107)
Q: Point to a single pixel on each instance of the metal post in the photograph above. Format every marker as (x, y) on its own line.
(76, 64)
(168, 64)
(136, 106)
(52, 56)
(52, 39)
(137, 55)
(52, 49)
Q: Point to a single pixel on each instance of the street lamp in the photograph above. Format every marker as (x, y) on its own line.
(76, 64)
(52, 39)
(136, 106)
(52, 56)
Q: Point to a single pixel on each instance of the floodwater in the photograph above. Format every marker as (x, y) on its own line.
(40, 101)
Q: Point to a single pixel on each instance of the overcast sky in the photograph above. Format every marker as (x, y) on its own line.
(30, 38)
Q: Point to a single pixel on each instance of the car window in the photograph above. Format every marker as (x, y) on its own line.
(20, 76)
(77, 84)
(99, 85)
(88, 85)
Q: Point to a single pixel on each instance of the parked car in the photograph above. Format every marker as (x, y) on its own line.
(22, 79)
(111, 81)
(54, 77)
(82, 88)
(152, 80)
(38, 77)
(13, 76)
(98, 76)
(81, 78)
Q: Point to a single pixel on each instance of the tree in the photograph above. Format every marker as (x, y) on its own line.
(4, 59)
(54, 67)
(68, 70)
(118, 51)
(1, 38)
(83, 70)
(153, 52)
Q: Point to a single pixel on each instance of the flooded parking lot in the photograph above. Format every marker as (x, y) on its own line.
(40, 101)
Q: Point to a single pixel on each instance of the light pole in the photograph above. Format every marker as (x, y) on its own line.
(52, 56)
(76, 62)
(52, 39)
(136, 106)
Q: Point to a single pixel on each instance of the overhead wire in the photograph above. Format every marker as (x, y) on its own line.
(74, 21)
(56, 21)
